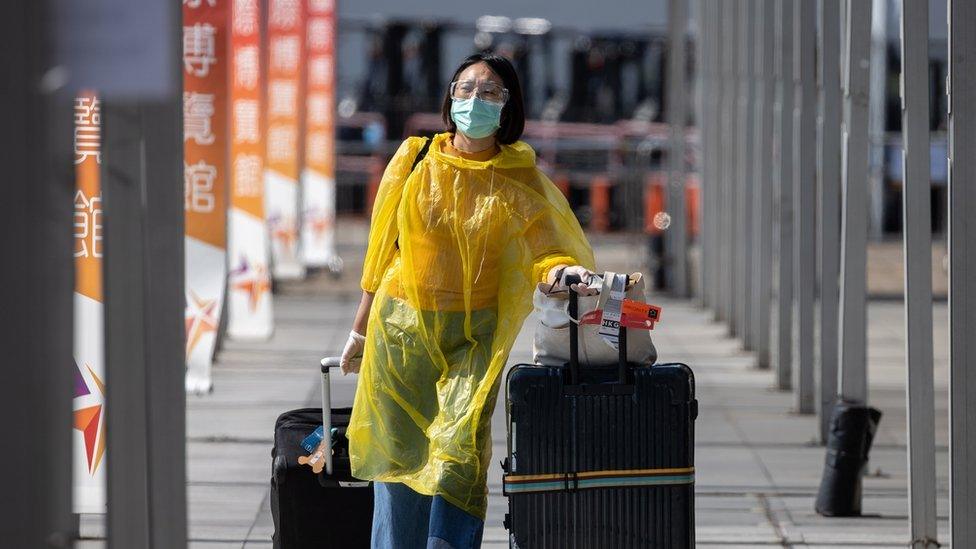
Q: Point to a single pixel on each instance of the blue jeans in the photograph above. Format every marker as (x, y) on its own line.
(399, 516)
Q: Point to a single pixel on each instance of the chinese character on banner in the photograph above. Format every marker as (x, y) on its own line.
(246, 67)
(194, 4)
(88, 133)
(319, 6)
(245, 17)
(318, 145)
(198, 190)
(248, 175)
(282, 97)
(88, 225)
(246, 120)
(320, 71)
(320, 33)
(284, 13)
(199, 49)
(318, 109)
(284, 53)
(281, 143)
(198, 110)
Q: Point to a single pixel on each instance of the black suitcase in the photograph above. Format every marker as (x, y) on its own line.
(317, 511)
(600, 457)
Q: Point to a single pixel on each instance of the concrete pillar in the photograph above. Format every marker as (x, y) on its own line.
(727, 211)
(764, 178)
(829, 207)
(677, 102)
(852, 326)
(804, 201)
(962, 273)
(142, 175)
(37, 247)
(783, 233)
(745, 175)
(916, 209)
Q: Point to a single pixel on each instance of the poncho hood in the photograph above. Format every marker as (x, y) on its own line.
(516, 155)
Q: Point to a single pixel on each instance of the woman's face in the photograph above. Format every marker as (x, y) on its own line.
(480, 73)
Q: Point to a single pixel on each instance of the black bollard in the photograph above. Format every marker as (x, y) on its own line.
(852, 429)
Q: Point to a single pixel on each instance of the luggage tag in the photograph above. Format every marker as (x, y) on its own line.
(315, 446)
(310, 442)
(634, 314)
(611, 298)
(637, 314)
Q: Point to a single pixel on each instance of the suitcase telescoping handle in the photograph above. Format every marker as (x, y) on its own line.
(327, 364)
(574, 376)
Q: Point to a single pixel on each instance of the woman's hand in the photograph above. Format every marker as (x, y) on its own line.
(352, 353)
(559, 274)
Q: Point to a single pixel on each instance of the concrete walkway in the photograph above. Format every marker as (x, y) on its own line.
(758, 465)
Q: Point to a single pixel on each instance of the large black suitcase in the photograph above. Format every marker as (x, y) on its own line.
(600, 457)
(317, 511)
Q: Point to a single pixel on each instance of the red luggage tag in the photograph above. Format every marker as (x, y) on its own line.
(637, 314)
(634, 314)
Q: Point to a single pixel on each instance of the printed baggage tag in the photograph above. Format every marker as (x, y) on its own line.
(612, 309)
(634, 314)
(637, 314)
(312, 441)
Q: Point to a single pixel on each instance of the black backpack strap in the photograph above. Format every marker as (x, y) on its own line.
(421, 154)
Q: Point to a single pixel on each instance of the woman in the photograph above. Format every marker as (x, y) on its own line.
(456, 246)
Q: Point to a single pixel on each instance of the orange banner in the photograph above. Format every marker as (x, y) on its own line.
(88, 196)
(320, 105)
(89, 364)
(249, 314)
(318, 177)
(205, 70)
(286, 34)
(247, 139)
(285, 97)
(204, 119)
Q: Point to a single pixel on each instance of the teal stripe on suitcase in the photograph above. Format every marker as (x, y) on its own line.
(608, 482)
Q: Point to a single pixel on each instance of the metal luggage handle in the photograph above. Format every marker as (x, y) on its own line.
(327, 364)
(622, 385)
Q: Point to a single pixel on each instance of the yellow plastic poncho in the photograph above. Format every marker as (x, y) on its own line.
(455, 250)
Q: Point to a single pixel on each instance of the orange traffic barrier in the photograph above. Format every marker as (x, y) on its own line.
(561, 181)
(656, 217)
(692, 204)
(654, 203)
(600, 203)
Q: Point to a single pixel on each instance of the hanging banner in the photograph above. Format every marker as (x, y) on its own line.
(88, 369)
(249, 313)
(286, 35)
(318, 177)
(205, 194)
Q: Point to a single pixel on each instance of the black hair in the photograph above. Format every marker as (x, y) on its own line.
(513, 113)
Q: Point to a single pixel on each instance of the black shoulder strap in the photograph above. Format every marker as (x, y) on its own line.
(421, 154)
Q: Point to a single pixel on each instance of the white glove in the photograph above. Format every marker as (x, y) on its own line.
(581, 288)
(352, 353)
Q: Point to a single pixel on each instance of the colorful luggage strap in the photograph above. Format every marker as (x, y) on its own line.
(558, 482)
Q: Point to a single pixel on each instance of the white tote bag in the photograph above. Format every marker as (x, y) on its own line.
(551, 344)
